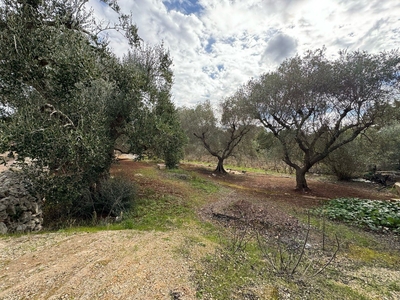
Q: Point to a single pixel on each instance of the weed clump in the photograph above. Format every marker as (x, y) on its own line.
(374, 215)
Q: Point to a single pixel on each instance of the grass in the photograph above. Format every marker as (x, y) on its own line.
(244, 274)
(229, 166)
(224, 274)
(361, 246)
(173, 208)
(161, 213)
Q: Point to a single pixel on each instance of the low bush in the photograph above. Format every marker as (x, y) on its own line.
(114, 196)
(372, 214)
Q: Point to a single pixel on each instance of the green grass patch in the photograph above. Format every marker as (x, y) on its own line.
(335, 290)
(204, 185)
(157, 210)
(372, 256)
(225, 276)
(160, 213)
(201, 185)
(362, 247)
(346, 234)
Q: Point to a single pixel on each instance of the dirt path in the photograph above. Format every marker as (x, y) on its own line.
(103, 265)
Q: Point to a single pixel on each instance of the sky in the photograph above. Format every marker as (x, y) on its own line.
(218, 45)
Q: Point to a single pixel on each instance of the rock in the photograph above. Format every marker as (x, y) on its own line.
(3, 228)
(10, 210)
(25, 217)
(161, 166)
(19, 210)
(21, 228)
(128, 157)
(397, 186)
(3, 216)
(35, 208)
(31, 224)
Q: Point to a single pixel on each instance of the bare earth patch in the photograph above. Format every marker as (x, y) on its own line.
(103, 265)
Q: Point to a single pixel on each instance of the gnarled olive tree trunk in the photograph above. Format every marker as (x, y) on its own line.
(220, 167)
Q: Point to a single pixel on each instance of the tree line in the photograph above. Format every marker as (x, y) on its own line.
(311, 104)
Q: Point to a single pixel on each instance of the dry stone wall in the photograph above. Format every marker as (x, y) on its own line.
(19, 211)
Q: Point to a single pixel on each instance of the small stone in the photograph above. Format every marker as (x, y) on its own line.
(35, 208)
(3, 215)
(21, 228)
(3, 228)
(26, 217)
(11, 210)
(397, 186)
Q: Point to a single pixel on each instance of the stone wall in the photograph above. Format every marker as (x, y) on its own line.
(19, 211)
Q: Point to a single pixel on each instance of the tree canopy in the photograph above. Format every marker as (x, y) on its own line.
(314, 105)
(220, 137)
(66, 99)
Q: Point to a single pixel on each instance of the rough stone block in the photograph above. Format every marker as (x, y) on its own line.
(397, 186)
(3, 228)
(19, 211)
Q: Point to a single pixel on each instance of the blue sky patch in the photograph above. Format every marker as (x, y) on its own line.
(211, 41)
(186, 7)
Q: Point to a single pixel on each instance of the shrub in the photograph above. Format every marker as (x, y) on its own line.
(344, 163)
(114, 196)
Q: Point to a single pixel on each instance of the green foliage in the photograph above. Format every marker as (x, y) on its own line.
(155, 128)
(65, 99)
(383, 147)
(114, 197)
(349, 160)
(377, 148)
(220, 137)
(314, 105)
(371, 214)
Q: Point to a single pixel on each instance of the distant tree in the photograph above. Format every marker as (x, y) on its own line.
(199, 119)
(220, 138)
(314, 105)
(193, 149)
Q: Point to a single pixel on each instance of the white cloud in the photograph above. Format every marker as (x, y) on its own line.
(216, 45)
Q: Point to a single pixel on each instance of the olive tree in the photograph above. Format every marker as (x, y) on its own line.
(220, 137)
(154, 128)
(314, 105)
(66, 99)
